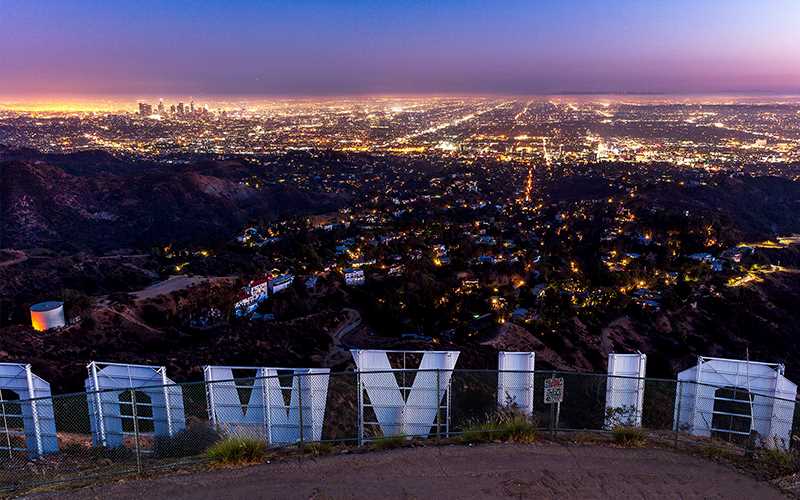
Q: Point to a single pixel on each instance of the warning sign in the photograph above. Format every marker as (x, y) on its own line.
(553, 390)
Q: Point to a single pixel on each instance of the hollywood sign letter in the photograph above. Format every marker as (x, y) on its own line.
(253, 402)
(515, 380)
(25, 400)
(625, 389)
(124, 399)
(396, 415)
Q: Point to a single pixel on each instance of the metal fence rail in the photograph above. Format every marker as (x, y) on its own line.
(131, 430)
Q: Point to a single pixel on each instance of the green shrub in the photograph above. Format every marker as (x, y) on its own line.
(504, 425)
(630, 437)
(237, 450)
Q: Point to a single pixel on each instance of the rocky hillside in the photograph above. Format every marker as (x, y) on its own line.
(111, 205)
(749, 207)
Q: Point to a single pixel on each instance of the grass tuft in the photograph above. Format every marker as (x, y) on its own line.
(512, 427)
(716, 451)
(390, 442)
(779, 462)
(318, 449)
(629, 437)
(237, 450)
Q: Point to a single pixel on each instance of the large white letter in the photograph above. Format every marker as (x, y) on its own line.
(515, 380)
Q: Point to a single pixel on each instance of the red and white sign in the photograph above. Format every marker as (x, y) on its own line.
(553, 390)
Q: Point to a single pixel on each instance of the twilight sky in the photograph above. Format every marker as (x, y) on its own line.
(305, 47)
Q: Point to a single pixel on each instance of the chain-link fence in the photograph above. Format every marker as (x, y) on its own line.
(133, 429)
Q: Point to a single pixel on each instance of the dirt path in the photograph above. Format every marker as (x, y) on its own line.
(175, 283)
(128, 317)
(18, 257)
(338, 353)
(491, 471)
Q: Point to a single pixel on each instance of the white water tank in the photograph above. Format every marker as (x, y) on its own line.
(47, 315)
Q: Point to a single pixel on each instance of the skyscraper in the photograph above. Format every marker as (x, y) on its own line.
(161, 106)
(145, 109)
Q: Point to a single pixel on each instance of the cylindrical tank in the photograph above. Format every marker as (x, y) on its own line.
(47, 315)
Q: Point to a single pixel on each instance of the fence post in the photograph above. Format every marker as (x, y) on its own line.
(266, 404)
(360, 412)
(438, 405)
(300, 406)
(32, 396)
(558, 417)
(5, 428)
(449, 401)
(552, 413)
(136, 431)
(677, 421)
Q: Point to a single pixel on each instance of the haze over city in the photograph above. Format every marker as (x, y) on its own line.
(313, 48)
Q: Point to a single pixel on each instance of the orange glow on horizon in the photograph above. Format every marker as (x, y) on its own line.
(66, 106)
(78, 103)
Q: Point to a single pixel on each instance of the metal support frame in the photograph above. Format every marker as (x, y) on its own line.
(8, 433)
(438, 406)
(503, 386)
(98, 410)
(299, 377)
(167, 405)
(443, 403)
(212, 417)
(771, 401)
(360, 398)
(679, 392)
(135, 415)
(280, 421)
(34, 412)
(36, 448)
(266, 414)
(160, 384)
(697, 377)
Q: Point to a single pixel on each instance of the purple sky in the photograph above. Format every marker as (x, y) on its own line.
(297, 47)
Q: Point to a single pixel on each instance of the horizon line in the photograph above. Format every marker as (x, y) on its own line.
(87, 103)
(566, 92)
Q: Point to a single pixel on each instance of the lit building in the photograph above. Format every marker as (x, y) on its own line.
(354, 277)
(280, 283)
(145, 109)
(251, 296)
(245, 304)
(260, 288)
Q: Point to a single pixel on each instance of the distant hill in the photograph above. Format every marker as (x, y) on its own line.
(97, 202)
(751, 207)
